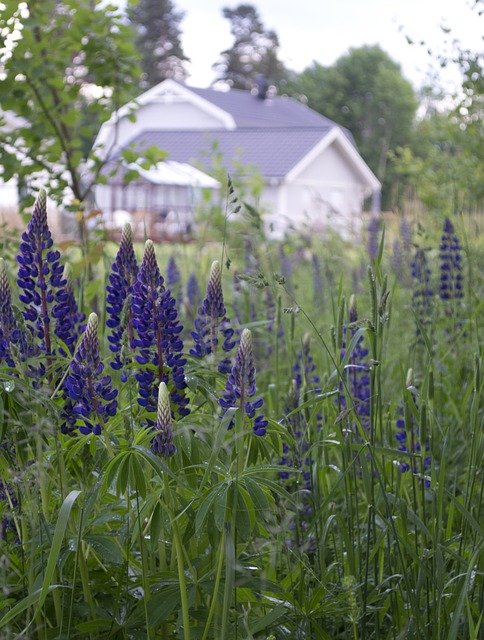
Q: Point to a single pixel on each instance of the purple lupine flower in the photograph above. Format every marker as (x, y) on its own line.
(69, 321)
(162, 442)
(422, 295)
(318, 290)
(212, 321)
(240, 386)
(397, 259)
(356, 371)
(91, 399)
(374, 237)
(40, 275)
(173, 279)
(9, 332)
(121, 279)
(286, 268)
(296, 475)
(406, 234)
(408, 437)
(157, 341)
(193, 294)
(450, 264)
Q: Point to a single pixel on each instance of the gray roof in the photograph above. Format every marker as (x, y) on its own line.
(250, 111)
(274, 151)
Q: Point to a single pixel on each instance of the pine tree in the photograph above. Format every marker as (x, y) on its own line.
(254, 52)
(157, 28)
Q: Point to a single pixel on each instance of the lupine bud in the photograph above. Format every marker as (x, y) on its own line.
(450, 264)
(157, 337)
(162, 442)
(121, 280)
(91, 397)
(211, 321)
(241, 386)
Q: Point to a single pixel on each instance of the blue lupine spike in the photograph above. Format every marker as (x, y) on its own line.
(240, 386)
(318, 290)
(91, 399)
(162, 442)
(451, 278)
(286, 266)
(193, 294)
(356, 371)
(173, 279)
(121, 280)
(40, 276)
(408, 437)
(406, 234)
(374, 237)
(157, 338)
(211, 321)
(69, 321)
(9, 331)
(422, 295)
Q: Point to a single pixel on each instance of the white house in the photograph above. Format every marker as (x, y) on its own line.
(313, 174)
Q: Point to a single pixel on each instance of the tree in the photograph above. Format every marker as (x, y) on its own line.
(364, 91)
(65, 65)
(156, 24)
(254, 52)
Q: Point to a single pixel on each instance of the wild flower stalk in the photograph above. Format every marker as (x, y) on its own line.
(241, 386)
(451, 278)
(193, 294)
(157, 343)
(408, 436)
(173, 279)
(162, 442)
(91, 399)
(9, 332)
(296, 449)
(406, 235)
(398, 260)
(318, 289)
(374, 226)
(69, 321)
(356, 372)
(121, 280)
(286, 267)
(212, 324)
(40, 277)
(423, 294)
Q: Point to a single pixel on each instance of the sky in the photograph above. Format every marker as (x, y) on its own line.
(323, 30)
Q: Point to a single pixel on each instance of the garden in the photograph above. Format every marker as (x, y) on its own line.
(242, 439)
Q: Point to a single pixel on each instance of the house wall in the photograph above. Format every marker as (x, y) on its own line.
(327, 194)
(177, 114)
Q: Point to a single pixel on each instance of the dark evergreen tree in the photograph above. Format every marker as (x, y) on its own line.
(157, 37)
(254, 52)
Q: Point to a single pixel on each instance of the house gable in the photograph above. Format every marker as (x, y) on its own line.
(166, 106)
(334, 159)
